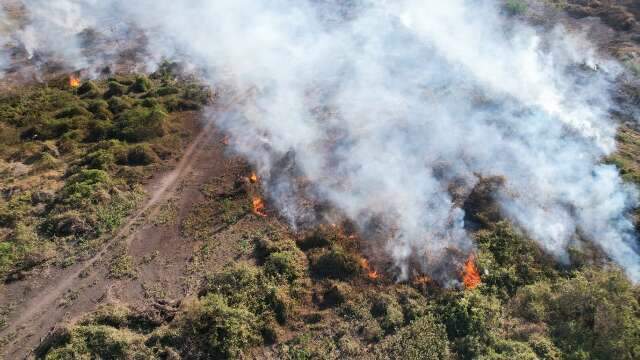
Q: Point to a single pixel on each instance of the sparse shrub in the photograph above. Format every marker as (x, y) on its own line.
(423, 339)
(337, 294)
(46, 162)
(282, 305)
(140, 124)
(335, 264)
(70, 223)
(122, 267)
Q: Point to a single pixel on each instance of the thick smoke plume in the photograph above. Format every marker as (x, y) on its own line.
(382, 105)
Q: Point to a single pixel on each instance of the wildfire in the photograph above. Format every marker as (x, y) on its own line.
(371, 272)
(470, 276)
(74, 81)
(225, 140)
(253, 178)
(258, 206)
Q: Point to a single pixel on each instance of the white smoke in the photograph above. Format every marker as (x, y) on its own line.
(381, 105)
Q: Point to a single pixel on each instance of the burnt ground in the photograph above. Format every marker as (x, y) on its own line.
(165, 263)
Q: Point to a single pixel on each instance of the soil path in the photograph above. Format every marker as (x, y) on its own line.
(55, 295)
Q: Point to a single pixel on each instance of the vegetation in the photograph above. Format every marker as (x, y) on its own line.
(72, 161)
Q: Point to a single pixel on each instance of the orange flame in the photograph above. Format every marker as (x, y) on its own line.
(371, 272)
(470, 275)
(253, 178)
(225, 140)
(74, 81)
(258, 206)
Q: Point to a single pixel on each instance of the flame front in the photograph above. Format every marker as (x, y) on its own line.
(470, 276)
(371, 272)
(253, 178)
(74, 81)
(258, 206)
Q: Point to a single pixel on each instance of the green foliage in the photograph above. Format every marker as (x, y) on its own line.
(103, 342)
(211, 328)
(421, 340)
(592, 315)
(510, 260)
(336, 264)
(285, 264)
(82, 188)
(120, 104)
(386, 309)
(140, 124)
(516, 7)
(140, 85)
(115, 89)
(100, 159)
(141, 154)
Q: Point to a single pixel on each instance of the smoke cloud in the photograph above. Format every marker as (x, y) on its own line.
(380, 106)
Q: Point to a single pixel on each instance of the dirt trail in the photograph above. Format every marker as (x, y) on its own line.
(40, 303)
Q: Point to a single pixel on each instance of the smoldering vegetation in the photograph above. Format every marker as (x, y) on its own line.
(377, 108)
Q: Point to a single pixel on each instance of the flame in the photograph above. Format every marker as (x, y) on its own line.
(470, 275)
(74, 81)
(225, 140)
(258, 206)
(371, 272)
(253, 178)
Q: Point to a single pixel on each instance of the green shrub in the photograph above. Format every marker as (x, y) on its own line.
(99, 130)
(102, 342)
(115, 89)
(140, 124)
(335, 264)
(210, 328)
(515, 7)
(288, 265)
(72, 111)
(141, 154)
(388, 312)
(594, 314)
(100, 159)
(119, 104)
(421, 340)
(82, 188)
(100, 109)
(88, 90)
(166, 90)
(140, 85)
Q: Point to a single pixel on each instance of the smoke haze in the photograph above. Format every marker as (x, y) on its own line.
(381, 105)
